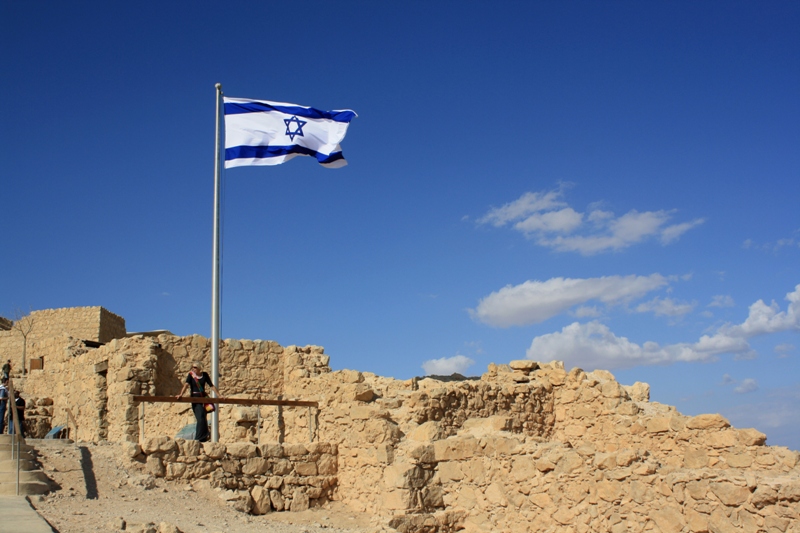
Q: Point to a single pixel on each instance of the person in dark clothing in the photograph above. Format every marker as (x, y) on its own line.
(197, 380)
(20, 403)
(3, 402)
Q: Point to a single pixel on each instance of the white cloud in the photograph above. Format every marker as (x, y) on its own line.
(547, 219)
(563, 221)
(721, 300)
(784, 350)
(447, 365)
(535, 301)
(665, 307)
(586, 311)
(747, 385)
(594, 345)
(522, 207)
(727, 379)
(672, 233)
(764, 318)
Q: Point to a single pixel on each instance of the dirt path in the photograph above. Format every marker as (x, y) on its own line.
(97, 492)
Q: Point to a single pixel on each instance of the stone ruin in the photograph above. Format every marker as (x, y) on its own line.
(529, 446)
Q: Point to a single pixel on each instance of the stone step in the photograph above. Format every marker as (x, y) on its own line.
(8, 447)
(8, 439)
(24, 476)
(25, 489)
(9, 465)
(6, 456)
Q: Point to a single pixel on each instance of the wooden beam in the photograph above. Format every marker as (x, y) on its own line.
(235, 401)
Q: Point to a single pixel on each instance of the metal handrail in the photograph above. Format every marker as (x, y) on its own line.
(14, 416)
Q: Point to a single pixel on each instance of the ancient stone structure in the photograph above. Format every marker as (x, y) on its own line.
(527, 447)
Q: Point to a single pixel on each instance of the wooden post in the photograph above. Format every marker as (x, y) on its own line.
(141, 423)
(71, 418)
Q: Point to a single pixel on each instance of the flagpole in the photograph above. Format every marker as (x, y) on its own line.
(215, 274)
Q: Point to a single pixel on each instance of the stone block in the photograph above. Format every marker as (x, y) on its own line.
(401, 475)
(242, 450)
(299, 501)
(708, 421)
(730, 494)
(639, 392)
(362, 393)
(214, 450)
(281, 467)
(350, 376)
(159, 445)
(276, 499)
(295, 450)
(524, 365)
(271, 450)
(695, 458)
(155, 466)
(721, 439)
(669, 519)
(398, 500)
(658, 425)
(384, 453)
(255, 466)
(327, 464)
(738, 460)
(175, 470)
(427, 431)
(455, 448)
(261, 501)
(306, 468)
(751, 437)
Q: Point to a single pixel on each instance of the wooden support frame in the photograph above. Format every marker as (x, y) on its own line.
(313, 409)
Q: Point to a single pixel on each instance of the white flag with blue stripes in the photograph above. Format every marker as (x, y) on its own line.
(259, 132)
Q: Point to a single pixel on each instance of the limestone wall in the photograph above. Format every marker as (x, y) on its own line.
(98, 384)
(527, 447)
(84, 323)
(258, 479)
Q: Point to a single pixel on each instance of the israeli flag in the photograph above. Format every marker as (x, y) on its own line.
(259, 132)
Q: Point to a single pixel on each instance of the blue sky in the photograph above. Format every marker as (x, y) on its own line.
(613, 184)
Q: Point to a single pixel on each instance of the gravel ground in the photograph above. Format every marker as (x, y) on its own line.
(96, 492)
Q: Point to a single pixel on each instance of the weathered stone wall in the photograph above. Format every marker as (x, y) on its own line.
(84, 323)
(527, 447)
(92, 384)
(98, 384)
(258, 479)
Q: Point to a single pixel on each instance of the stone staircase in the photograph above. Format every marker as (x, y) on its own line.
(32, 479)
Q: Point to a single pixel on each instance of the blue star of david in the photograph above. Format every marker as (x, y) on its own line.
(298, 131)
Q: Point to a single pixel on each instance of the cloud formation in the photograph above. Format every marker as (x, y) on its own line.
(746, 386)
(447, 365)
(593, 345)
(549, 221)
(721, 300)
(535, 301)
(666, 307)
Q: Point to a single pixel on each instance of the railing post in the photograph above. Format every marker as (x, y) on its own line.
(141, 423)
(258, 427)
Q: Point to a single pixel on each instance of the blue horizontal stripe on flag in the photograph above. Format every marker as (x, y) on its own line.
(236, 108)
(265, 152)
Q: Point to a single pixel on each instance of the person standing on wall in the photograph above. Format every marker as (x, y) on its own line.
(7, 369)
(197, 381)
(3, 403)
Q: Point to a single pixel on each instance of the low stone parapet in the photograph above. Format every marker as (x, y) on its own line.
(257, 479)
